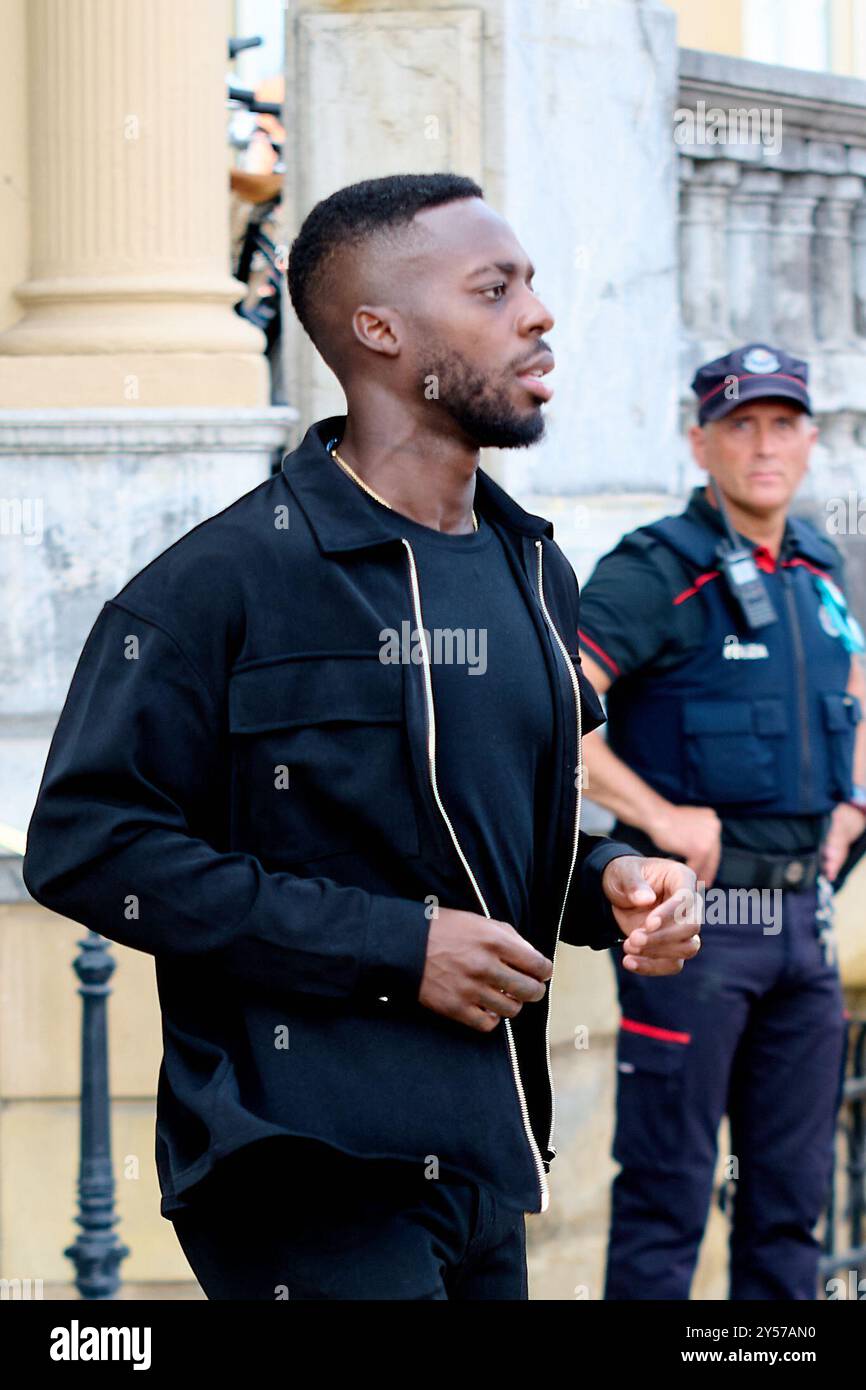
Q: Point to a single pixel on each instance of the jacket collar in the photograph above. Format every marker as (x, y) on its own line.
(798, 538)
(337, 510)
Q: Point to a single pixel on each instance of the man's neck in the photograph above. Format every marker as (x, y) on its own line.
(426, 475)
(762, 530)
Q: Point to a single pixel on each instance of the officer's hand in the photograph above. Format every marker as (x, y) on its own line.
(658, 910)
(846, 825)
(694, 833)
(479, 971)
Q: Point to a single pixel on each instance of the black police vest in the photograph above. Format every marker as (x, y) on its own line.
(751, 722)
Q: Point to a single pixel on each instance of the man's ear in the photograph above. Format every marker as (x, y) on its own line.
(378, 327)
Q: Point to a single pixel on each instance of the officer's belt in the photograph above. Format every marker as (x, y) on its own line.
(740, 868)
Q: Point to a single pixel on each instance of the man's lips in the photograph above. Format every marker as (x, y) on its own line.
(532, 377)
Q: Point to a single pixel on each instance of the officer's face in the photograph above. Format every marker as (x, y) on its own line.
(475, 328)
(758, 453)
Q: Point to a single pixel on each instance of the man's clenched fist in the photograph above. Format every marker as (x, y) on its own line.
(479, 971)
(658, 910)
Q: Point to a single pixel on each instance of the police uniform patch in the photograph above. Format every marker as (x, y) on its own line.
(825, 618)
(760, 361)
(834, 617)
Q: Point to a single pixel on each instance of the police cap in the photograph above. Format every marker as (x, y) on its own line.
(746, 374)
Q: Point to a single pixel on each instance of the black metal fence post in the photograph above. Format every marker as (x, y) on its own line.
(97, 1251)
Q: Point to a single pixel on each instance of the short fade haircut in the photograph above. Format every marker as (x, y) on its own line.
(354, 215)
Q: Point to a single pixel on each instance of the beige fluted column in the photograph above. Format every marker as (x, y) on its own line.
(129, 296)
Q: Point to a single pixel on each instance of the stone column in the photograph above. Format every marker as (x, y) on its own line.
(129, 296)
(794, 212)
(833, 261)
(582, 151)
(858, 246)
(749, 280)
(704, 251)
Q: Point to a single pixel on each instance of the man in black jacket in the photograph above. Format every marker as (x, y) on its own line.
(351, 858)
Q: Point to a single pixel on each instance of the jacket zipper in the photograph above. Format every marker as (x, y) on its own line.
(577, 808)
(431, 763)
(806, 753)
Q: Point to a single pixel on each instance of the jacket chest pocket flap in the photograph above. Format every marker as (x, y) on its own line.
(842, 713)
(321, 762)
(732, 748)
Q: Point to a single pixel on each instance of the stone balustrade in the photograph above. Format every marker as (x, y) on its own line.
(772, 189)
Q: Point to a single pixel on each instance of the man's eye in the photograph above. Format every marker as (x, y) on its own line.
(493, 288)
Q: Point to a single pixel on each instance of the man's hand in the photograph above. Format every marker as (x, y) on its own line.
(695, 832)
(846, 825)
(479, 971)
(658, 910)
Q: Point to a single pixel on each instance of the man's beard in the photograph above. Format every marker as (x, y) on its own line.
(479, 404)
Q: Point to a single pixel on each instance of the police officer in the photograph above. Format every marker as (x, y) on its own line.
(723, 637)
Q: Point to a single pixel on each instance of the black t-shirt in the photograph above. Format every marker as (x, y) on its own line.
(626, 626)
(493, 705)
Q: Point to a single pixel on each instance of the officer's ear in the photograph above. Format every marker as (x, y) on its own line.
(698, 442)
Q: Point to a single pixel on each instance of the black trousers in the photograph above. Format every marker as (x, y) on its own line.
(292, 1219)
(754, 1026)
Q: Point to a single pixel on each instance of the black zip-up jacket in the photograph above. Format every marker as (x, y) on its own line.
(239, 786)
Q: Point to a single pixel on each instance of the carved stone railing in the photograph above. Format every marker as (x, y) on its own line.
(773, 240)
(773, 226)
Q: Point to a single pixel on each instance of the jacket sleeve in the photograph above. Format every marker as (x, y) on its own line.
(588, 919)
(130, 810)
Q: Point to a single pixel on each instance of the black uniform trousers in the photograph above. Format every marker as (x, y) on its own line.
(292, 1219)
(753, 1026)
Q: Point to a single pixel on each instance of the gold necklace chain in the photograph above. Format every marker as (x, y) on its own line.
(366, 486)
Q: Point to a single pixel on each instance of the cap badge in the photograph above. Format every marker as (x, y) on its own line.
(760, 361)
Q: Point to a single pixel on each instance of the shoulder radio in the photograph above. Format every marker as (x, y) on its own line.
(742, 575)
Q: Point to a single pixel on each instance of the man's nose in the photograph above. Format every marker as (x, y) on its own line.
(765, 442)
(536, 317)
